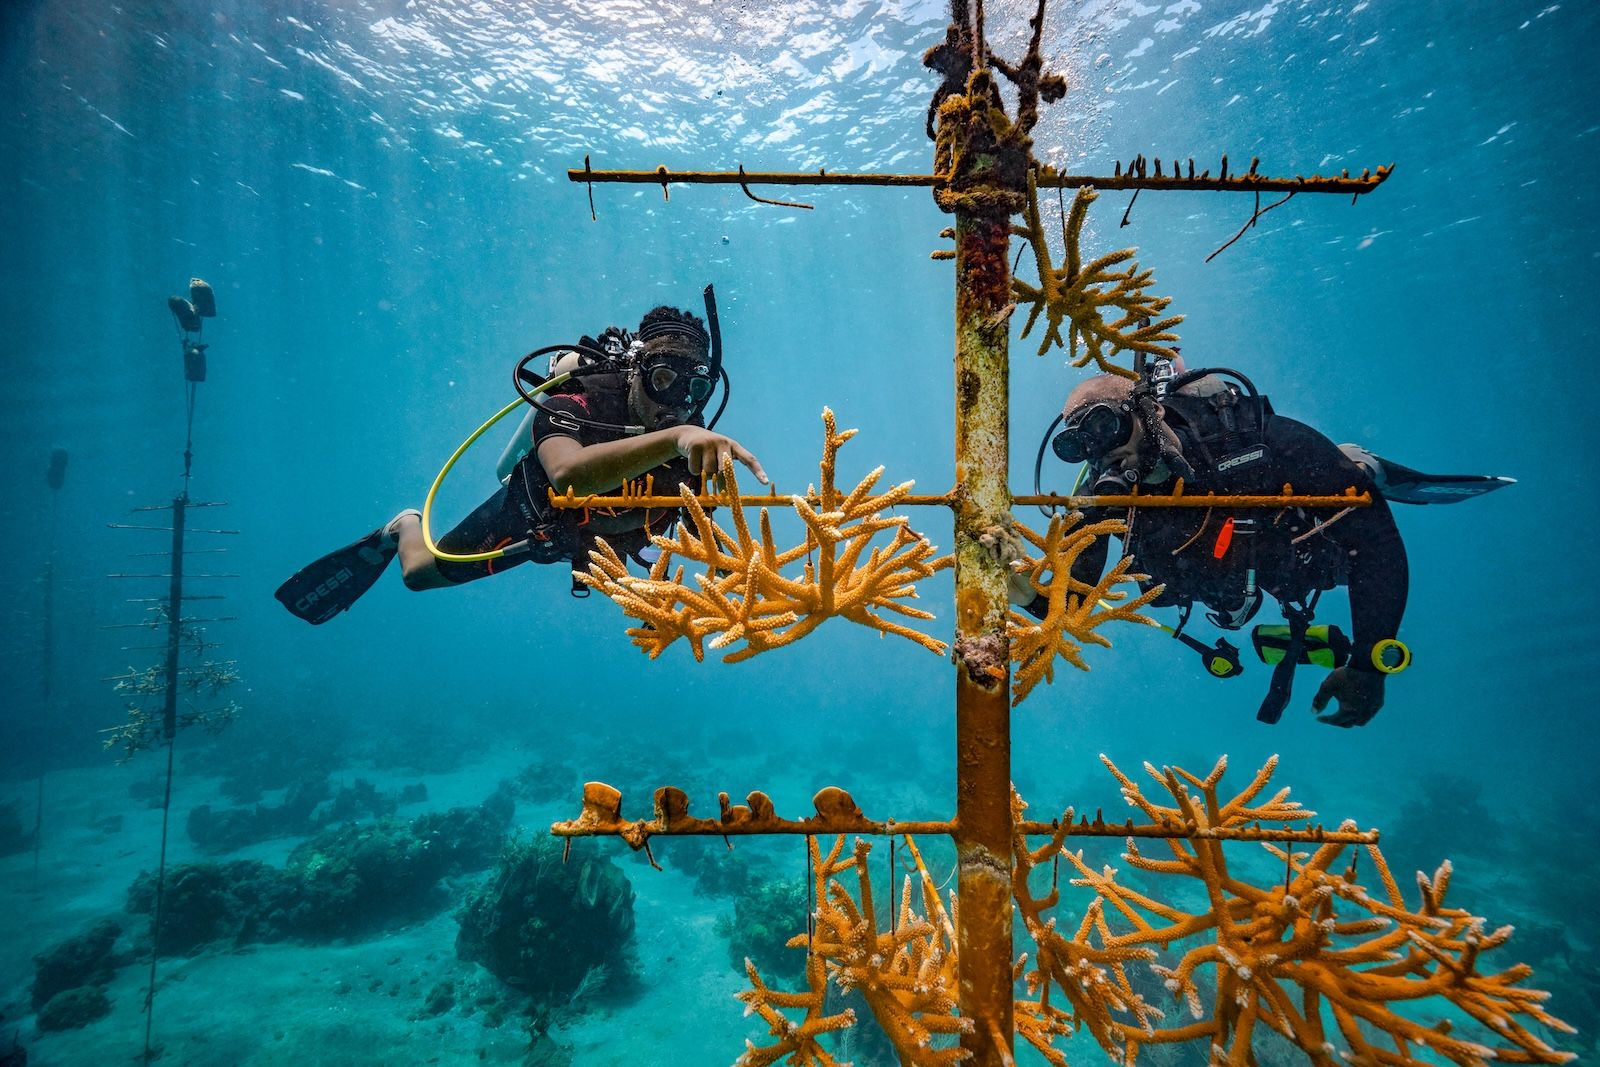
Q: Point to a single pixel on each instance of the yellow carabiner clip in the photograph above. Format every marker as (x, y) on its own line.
(1384, 646)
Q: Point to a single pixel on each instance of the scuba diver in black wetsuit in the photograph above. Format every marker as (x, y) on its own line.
(625, 407)
(1220, 435)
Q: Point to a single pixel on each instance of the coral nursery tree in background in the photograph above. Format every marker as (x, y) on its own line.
(1332, 955)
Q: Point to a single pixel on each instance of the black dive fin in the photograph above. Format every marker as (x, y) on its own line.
(1402, 485)
(321, 590)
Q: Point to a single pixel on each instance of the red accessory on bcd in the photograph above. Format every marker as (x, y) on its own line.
(1224, 539)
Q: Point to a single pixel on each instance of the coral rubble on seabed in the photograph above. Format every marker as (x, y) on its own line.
(1284, 957)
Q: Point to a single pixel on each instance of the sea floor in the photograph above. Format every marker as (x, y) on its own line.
(357, 1004)
(361, 1003)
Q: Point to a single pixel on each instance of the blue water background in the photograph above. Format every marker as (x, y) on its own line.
(378, 192)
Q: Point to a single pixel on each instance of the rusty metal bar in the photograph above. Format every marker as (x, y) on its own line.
(631, 829)
(1350, 499)
(1314, 835)
(642, 829)
(571, 500)
(981, 652)
(1240, 183)
(662, 175)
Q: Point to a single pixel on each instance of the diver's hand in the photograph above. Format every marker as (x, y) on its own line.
(1004, 546)
(1359, 693)
(706, 450)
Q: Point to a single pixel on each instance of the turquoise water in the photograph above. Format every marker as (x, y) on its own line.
(378, 193)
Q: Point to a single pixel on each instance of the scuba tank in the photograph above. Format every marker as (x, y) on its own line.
(521, 441)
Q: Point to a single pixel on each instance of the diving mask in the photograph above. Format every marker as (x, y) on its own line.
(677, 383)
(1091, 432)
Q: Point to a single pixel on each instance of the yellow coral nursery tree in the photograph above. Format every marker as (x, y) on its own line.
(1340, 970)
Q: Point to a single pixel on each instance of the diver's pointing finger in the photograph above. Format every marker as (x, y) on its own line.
(745, 456)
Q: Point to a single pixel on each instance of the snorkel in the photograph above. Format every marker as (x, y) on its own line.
(1155, 443)
(718, 373)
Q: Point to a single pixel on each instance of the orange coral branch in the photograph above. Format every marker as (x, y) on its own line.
(1075, 609)
(740, 597)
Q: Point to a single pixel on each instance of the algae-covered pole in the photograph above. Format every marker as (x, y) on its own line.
(983, 676)
(986, 159)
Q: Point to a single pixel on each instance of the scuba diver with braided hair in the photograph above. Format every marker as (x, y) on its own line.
(624, 407)
(1220, 435)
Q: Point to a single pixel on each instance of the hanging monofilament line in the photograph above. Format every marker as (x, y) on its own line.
(810, 905)
(893, 886)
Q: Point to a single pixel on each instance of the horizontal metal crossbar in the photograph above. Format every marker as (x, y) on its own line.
(837, 813)
(1249, 182)
(186, 620)
(186, 552)
(164, 529)
(1178, 499)
(642, 829)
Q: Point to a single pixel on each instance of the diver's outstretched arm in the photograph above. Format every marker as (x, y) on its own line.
(595, 468)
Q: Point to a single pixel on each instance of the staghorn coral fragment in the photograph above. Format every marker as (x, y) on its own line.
(743, 593)
(1080, 296)
(1343, 972)
(1288, 956)
(906, 974)
(1076, 610)
(796, 1041)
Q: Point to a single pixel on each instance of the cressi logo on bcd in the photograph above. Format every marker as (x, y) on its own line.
(1242, 459)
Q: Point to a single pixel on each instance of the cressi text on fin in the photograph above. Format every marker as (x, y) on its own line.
(319, 591)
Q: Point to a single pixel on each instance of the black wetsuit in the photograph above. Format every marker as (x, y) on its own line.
(1189, 552)
(521, 510)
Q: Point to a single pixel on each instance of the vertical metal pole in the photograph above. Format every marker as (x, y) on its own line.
(169, 732)
(983, 662)
(47, 666)
(169, 717)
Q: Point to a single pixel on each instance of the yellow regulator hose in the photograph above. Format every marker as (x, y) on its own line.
(433, 491)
